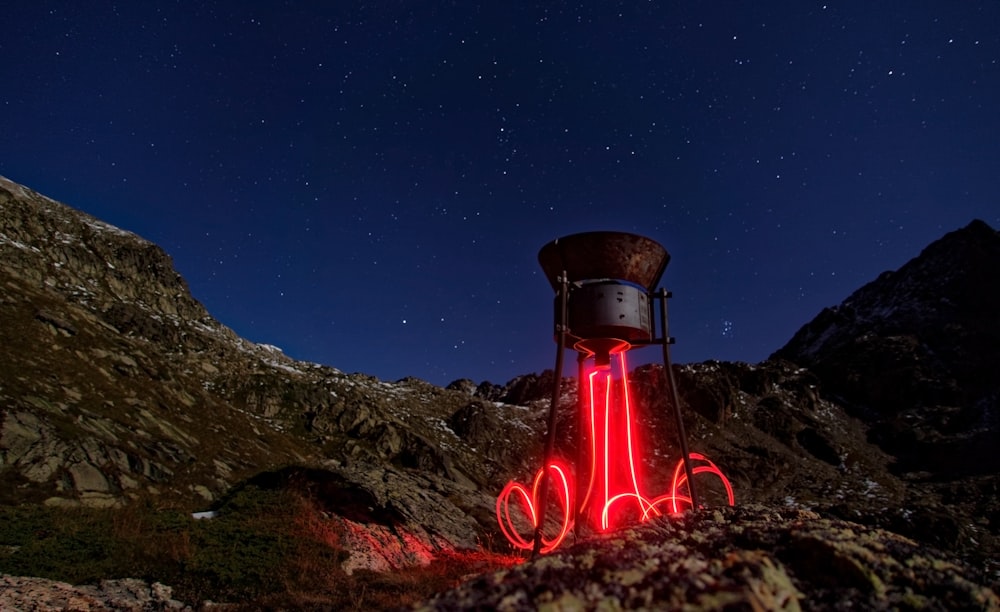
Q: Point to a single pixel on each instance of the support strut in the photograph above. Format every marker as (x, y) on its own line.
(582, 497)
(550, 441)
(668, 369)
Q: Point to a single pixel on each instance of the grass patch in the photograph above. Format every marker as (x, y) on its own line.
(271, 548)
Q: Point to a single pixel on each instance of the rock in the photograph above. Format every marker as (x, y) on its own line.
(476, 423)
(462, 385)
(57, 322)
(40, 595)
(88, 478)
(754, 558)
(94, 499)
(382, 549)
(525, 389)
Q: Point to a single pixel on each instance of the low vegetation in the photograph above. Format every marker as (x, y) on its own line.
(265, 548)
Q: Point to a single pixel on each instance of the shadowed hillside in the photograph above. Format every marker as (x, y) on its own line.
(125, 407)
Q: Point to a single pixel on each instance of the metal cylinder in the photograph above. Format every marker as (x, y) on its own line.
(606, 311)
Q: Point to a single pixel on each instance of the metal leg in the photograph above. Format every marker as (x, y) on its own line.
(550, 441)
(663, 294)
(582, 451)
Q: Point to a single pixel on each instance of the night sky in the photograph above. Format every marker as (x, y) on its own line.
(367, 185)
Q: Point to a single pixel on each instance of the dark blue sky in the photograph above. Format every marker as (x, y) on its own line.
(367, 185)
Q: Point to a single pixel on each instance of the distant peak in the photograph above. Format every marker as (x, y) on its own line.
(978, 225)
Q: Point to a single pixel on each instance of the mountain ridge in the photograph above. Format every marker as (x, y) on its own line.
(126, 388)
(931, 331)
(118, 388)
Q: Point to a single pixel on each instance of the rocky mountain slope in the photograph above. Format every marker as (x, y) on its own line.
(118, 390)
(930, 332)
(117, 385)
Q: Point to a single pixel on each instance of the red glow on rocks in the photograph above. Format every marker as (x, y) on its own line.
(613, 494)
(383, 548)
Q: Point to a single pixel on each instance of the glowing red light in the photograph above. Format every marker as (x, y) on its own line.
(613, 448)
(529, 505)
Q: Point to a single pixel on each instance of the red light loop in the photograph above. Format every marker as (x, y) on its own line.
(529, 503)
(613, 475)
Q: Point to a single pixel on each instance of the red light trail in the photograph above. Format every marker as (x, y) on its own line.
(612, 471)
(529, 504)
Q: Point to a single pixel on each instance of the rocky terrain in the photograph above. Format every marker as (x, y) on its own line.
(118, 385)
(20, 593)
(863, 444)
(733, 558)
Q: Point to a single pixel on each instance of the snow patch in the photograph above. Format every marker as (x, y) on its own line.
(20, 245)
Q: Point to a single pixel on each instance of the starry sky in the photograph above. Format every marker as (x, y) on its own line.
(367, 185)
